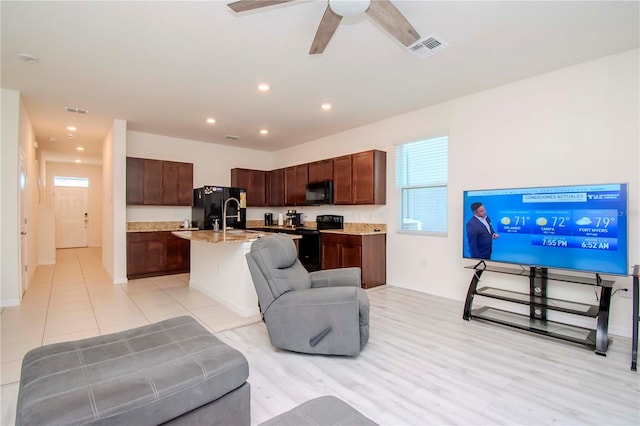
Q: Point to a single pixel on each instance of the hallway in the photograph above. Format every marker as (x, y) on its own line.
(75, 298)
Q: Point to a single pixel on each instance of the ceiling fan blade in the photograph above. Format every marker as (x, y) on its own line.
(244, 5)
(328, 26)
(390, 18)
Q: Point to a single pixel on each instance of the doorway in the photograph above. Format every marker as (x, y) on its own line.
(71, 204)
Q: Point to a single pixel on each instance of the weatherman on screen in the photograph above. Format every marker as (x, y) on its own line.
(480, 233)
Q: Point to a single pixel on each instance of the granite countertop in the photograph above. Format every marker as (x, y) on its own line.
(157, 226)
(232, 236)
(349, 229)
(352, 232)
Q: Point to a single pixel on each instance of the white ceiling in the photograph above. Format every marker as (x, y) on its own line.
(166, 66)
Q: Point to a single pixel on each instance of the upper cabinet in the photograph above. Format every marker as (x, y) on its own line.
(275, 189)
(320, 171)
(342, 180)
(295, 183)
(177, 183)
(255, 182)
(159, 183)
(359, 178)
(369, 177)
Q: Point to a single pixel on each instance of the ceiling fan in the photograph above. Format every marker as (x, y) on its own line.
(381, 11)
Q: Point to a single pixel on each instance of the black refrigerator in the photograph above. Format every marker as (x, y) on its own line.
(209, 201)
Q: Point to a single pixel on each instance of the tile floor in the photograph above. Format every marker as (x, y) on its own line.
(75, 298)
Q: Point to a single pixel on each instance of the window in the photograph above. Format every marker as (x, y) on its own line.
(421, 186)
(70, 181)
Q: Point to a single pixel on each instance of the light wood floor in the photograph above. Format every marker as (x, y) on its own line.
(424, 365)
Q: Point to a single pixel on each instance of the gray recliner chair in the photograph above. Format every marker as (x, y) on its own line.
(322, 312)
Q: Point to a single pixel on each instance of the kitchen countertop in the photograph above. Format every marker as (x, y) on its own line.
(351, 230)
(157, 226)
(232, 236)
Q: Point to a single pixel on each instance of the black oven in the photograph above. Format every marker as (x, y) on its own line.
(309, 249)
(310, 245)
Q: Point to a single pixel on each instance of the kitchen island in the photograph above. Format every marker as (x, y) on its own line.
(219, 268)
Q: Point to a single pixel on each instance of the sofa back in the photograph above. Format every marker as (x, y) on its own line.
(275, 268)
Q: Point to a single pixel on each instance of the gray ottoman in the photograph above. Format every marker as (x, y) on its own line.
(322, 411)
(173, 370)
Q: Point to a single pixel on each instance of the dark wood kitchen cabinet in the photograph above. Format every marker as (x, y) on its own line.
(320, 171)
(359, 178)
(276, 188)
(158, 183)
(342, 180)
(295, 182)
(368, 177)
(368, 252)
(144, 181)
(255, 182)
(177, 183)
(156, 253)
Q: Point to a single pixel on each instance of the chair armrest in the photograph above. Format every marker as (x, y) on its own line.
(339, 277)
(316, 297)
(331, 315)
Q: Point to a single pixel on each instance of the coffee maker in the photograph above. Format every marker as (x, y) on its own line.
(293, 218)
(268, 219)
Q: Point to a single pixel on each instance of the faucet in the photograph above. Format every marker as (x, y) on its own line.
(224, 213)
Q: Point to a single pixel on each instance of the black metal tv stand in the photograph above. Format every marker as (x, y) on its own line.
(539, 304)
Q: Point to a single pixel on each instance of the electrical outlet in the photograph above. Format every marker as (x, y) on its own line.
(625, 292)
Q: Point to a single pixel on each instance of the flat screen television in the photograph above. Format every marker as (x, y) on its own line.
(577, 227)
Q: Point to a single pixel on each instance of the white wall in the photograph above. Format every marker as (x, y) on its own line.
(94, 174)
(17, 135)
(9, 226)
(32, 212)
(212, 164)
(577, 125)
(114, 244)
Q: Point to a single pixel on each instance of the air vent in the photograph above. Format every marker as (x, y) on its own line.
(232, 137)
(428, 46)
(76, 110)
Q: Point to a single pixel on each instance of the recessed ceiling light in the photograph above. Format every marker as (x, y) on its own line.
(78, 161)
(211, 120)
(264, 132)
(79, 148)
(52, 139)
(71, 128)
(28, 57)
(326, 106)
(263, 87)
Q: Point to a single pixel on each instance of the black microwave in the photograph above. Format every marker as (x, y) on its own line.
(317, 193)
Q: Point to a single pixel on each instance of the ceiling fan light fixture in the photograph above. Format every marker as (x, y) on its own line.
(348, 8)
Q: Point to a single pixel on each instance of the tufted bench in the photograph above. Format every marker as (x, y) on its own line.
(322, 411)
(172, 371)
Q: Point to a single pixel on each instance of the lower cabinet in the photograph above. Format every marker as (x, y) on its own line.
(368, 252)
(156, 253)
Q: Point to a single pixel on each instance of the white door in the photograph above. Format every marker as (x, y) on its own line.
(72, 216)
(23, 223)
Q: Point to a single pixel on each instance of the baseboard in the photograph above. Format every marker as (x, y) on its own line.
(121, 280)
(9, 302)
(620, 331)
